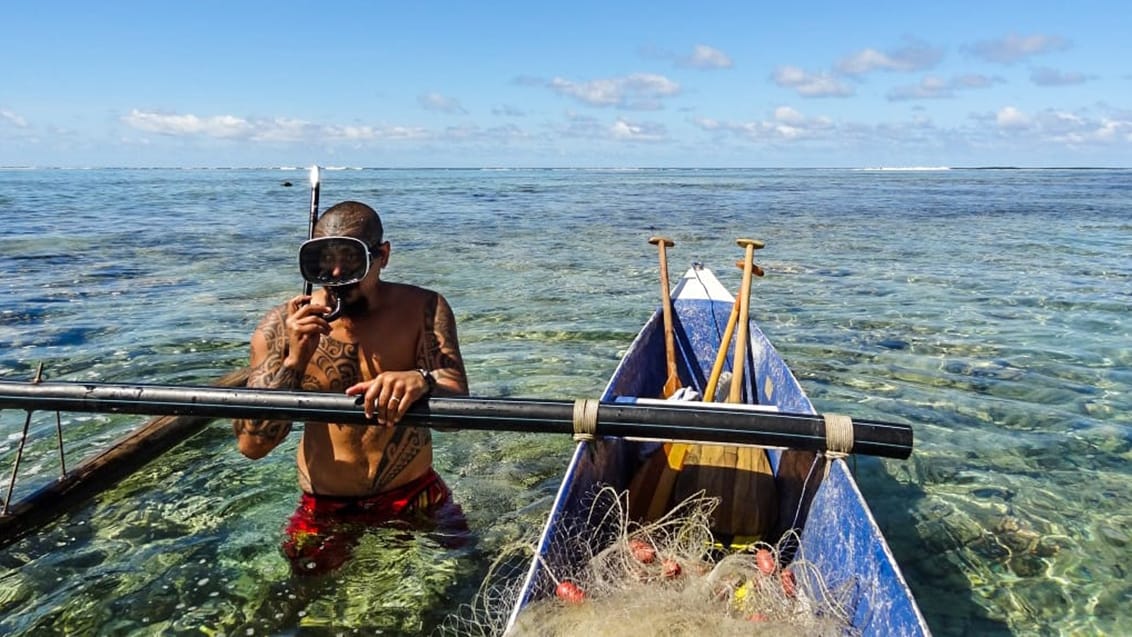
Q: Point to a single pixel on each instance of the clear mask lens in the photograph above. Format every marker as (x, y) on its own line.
(334, 261)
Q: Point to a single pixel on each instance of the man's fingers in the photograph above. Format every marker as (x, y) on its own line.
(388, 396)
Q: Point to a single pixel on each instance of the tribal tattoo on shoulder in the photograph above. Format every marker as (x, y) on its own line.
(439, 348)
(270, 373)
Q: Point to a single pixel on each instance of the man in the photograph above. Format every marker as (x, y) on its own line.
(393, 345)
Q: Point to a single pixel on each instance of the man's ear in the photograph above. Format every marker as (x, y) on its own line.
(383, 257)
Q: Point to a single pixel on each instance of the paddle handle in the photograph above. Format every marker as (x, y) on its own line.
(672, 379)
(739, 362)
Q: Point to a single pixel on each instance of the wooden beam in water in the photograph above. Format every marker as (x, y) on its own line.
(108, 468)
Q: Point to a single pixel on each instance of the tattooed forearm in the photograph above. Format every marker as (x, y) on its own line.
(272, 430)
(274, 375)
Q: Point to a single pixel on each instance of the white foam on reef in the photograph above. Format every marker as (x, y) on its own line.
(903, 168)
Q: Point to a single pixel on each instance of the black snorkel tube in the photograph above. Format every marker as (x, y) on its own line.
(308, 287)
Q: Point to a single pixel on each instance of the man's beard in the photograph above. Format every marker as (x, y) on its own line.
(353, 305)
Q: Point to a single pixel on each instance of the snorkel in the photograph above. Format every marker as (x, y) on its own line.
(308, 286)
(337, 300)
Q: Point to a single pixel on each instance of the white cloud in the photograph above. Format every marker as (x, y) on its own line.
(1012, 48)
(934, 87)
(915, 56)
(278, 129)
(1078, 130)
(442, 103)
(13, 118)
(975, 80)
(507, 110)
(1009, 117)
(811, 84)
(623, 130)
(706, 57)
(786, 124)
(639, 91)
(931, 87)
(1067, 129)
(218, 126)
(472, 133)
(788, 115)
(1045, 76)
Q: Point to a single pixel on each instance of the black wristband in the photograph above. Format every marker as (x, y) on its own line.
(429, 378)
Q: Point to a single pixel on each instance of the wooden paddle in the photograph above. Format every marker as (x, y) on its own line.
(650, 488)
(672, 381)
(725, 342)
(739, 361)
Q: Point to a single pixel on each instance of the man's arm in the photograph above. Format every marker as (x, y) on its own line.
(390, 394)
(441, 350)
(269, 370)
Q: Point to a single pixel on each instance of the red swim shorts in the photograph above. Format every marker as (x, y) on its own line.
(322, 532)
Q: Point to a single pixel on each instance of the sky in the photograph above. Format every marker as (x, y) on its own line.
(566, 84)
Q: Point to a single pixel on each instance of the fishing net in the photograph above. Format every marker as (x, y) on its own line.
(666, 577)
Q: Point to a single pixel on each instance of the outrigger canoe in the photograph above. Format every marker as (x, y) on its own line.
(839, 533)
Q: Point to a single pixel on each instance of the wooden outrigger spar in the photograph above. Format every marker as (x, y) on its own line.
(92, 476)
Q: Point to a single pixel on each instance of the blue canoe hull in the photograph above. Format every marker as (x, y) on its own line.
(839, 534)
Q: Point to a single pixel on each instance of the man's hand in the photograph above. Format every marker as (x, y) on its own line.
(305, 328)
(389, 395)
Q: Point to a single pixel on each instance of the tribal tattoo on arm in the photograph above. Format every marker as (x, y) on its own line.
(269, 373)
(439, 350)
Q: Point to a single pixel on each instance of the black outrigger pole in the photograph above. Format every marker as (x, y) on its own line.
(665, 420)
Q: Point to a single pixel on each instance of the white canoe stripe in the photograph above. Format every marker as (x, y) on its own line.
(699, 283)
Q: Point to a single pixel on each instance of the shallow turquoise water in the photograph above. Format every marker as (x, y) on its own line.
(987, 308)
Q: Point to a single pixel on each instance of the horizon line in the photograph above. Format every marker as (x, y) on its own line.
(595, 168)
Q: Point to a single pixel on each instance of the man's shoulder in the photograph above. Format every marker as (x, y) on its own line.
(274, 316)
(410, 291)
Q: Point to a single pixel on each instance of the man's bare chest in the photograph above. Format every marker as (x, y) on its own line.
(338, 364)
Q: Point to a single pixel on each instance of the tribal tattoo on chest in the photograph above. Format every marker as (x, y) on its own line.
(335, 366)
